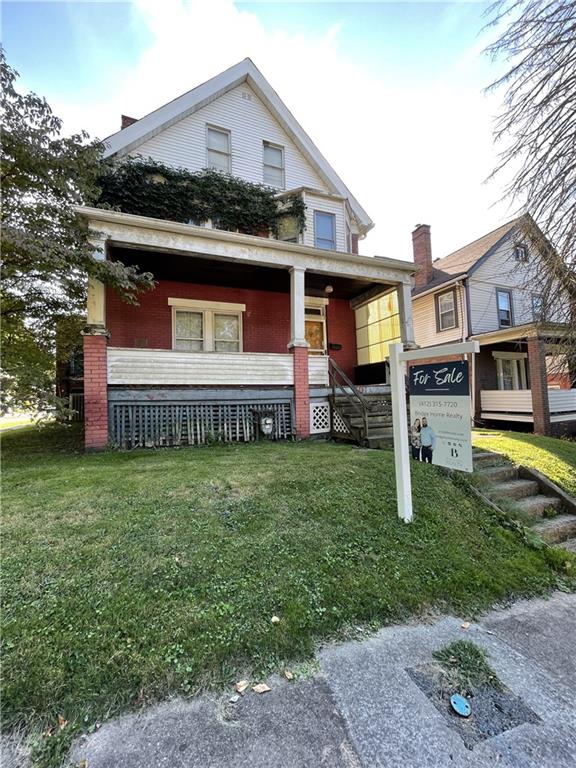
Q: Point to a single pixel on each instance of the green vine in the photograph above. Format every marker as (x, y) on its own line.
(148, 188)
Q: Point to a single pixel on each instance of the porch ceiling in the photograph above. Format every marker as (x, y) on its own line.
(220, 272)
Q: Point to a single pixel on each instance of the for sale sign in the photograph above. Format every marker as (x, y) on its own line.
(440, 430)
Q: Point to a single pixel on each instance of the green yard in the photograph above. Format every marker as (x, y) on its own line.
(129, 576)
(554, 458)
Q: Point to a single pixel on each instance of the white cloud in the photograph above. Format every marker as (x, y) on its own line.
(410, 153)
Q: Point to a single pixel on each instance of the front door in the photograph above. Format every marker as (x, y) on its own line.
(315, 336)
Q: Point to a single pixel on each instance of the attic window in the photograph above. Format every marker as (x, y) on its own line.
(273, 165)
(218, 149)
(520, 252)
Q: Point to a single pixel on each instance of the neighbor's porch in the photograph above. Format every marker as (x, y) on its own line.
(521, 376)
(233, 319)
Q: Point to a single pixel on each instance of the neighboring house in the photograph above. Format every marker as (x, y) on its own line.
(240, 328)
(488, 291)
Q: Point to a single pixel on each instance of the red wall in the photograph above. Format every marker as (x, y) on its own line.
(266, 321)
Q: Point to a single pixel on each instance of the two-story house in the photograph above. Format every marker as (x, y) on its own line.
(488, 291)
(242, 334)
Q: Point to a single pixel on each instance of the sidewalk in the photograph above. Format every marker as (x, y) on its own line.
(363, 710)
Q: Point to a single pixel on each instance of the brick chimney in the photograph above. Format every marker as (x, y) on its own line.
(126, 121)
(422, 248)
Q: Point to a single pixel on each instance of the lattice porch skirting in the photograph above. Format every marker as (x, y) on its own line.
(137, 424)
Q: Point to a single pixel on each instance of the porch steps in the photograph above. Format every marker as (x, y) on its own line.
(379, 420)
(545, 514)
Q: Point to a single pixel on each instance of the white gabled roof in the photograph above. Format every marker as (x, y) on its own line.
(130, 138)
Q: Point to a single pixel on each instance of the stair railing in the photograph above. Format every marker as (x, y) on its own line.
(340, 383)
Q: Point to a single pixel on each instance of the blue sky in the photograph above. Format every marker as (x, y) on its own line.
(390, 92)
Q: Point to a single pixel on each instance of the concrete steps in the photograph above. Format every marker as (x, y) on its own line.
(561, 529)
(545, 513)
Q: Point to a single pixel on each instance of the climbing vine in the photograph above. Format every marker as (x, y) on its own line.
(147, 188)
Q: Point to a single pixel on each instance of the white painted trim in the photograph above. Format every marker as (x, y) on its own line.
(208, 340)
(131, 229)
(460, 348)
(316, 301)
(510, 355)
(201, 304)
(297, 308)
(128, 139)
(507, 416)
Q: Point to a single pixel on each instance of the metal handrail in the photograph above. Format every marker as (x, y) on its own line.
(359, 404)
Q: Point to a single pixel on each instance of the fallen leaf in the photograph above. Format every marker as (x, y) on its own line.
(241, 686)
(288, 675)
(466, 625)
(62, 722)
(275, 620)
(83, 763)
(234, 699)
(261, 688)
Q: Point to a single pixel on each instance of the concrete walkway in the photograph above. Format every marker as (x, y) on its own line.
(363, 710)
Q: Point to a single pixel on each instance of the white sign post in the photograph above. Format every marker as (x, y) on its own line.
(400, 415)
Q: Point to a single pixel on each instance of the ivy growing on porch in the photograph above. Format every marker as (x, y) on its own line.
(148, 188)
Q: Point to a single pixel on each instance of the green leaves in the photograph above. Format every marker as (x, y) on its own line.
(147, 188)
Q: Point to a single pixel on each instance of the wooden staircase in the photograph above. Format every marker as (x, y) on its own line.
(544, 513)
(365, 419)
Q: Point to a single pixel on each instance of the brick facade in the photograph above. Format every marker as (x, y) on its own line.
(539, 386)
(301, 392)
(95, 392)
(266, 321)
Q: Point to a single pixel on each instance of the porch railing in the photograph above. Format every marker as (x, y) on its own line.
(516, 404)
(343, 387)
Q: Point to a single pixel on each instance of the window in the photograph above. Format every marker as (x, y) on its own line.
(537, 307)
(520, 252)
(504, 302)
(325, 230)
(218, 149)
(273, 165)
(377, 326)
(446, 316)
(511, 370)
(206, 326)
(288, 229)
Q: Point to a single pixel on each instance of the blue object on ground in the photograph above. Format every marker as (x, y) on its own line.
(460, 705)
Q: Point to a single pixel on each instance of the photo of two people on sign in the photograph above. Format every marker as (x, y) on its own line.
(422, 440)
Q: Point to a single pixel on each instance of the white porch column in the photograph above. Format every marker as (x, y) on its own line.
(96, 300)
(297, 308)
(404, 292)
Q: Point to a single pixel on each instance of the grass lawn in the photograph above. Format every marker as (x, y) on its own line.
(130, 576)
(551, 456)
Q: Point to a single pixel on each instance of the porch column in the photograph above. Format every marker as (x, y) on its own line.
(404, 293)
(299, 348)
(95, 362)
(539, 386)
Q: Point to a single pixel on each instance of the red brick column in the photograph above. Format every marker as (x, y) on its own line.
(301, 391)
(95, 392)
(539, 386)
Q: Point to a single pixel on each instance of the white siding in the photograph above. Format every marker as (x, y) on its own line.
(501, 270)
(424, 316)
(327, 205)
(166, 366)
(250, 123)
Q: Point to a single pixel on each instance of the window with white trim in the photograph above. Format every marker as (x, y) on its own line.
(537, 307)
(273, 165)
(511, 370)
(325, 230)
(520, 252)
(504, 303)
(206, 326)
(218, 148)
(446, 310)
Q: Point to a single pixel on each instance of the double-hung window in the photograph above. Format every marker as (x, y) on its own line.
(206, 326)
(446, 316)
(218, 148)
(325, 230)
(504, 303)
(273, 171)
(537, 307)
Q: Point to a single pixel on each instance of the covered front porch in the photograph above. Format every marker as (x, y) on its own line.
(237, 325)
(521, 376)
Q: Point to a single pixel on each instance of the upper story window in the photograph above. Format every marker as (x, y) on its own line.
(325, 230)
(273, 173)
(520, 252)
(446, 315)
(537, 307)
(206, 326)
(504, 303)
(218, 148)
